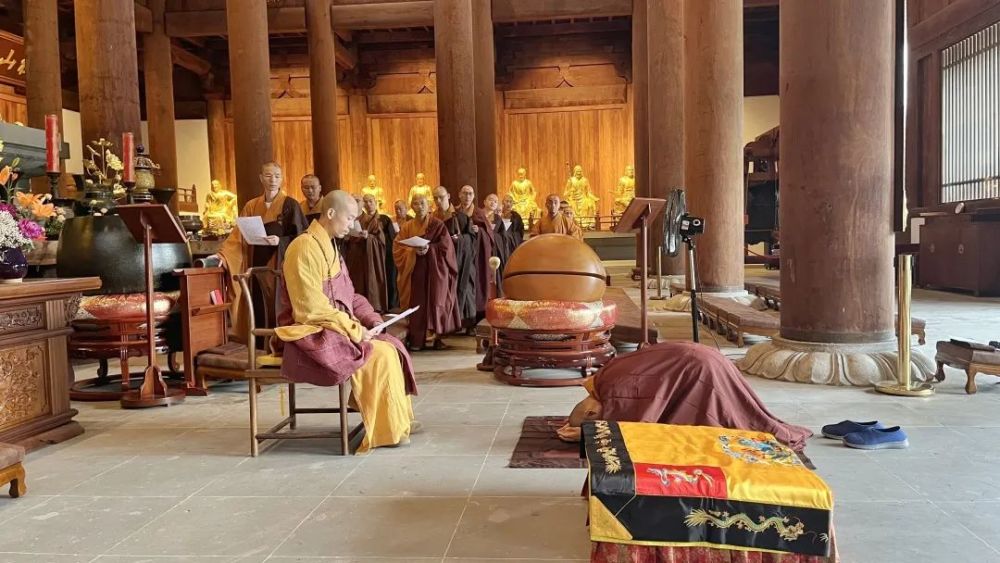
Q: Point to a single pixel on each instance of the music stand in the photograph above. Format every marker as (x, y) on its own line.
(639, 214)
(151, 223)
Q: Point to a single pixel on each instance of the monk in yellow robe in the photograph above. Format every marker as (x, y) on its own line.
(328, 334)
(553, 220)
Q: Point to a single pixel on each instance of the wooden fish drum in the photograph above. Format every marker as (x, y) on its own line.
(556, 268)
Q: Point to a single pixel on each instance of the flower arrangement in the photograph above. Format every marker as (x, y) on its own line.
(24, 217)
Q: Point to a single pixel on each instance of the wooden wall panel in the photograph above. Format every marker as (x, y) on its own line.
(550, 142)
(402, 146)
(13, 108)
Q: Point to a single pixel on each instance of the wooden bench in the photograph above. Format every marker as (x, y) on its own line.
(770, 293)
(969, 359)
(734, 319)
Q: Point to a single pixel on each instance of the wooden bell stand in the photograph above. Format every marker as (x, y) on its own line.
(639, 214)
(151, 223)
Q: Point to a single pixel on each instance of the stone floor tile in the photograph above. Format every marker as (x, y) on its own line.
(412, 476)
(283, 475)
(80, 525)
(57, 474)
(377, 527)
(460, 394)
(981, 518)
(156, 476)
(234, 526)
(512, 528)
(498, 480)
(44, 558)
(449, 440)
(477, 414)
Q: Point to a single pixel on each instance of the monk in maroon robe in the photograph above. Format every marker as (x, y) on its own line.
(366, 256)
(427, 277)
(678, 383)
(483, 246)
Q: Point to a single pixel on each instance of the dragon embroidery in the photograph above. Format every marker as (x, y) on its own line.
(758, 451)
(724, 520)
(668, 476)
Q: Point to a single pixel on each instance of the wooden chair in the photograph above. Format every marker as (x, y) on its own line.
(258, 368)
(11, 470)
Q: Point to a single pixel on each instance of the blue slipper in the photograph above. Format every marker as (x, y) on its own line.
(841, 429)
(877, 439)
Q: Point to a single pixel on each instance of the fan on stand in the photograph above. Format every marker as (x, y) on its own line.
(679, 228)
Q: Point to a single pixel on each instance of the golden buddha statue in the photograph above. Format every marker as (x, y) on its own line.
(523, 192)
(625, 192)
(220, 210)
(374, 190)
(580, 198)
(420, 188)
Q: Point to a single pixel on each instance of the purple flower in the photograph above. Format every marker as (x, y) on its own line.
(31, 230)
(9, 209)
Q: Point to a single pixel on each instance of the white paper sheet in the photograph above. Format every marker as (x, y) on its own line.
(252, 229)
(394, 320)
(415, 242)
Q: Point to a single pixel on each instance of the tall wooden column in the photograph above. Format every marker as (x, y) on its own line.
(836, 198)
(456, 103)
(713, 141)
(159, 72)
(323, 93)
(250, 74)
(108, 69)
(44, 79)
(217, 164)
(485, 84)
(658, 84)
(836, 178)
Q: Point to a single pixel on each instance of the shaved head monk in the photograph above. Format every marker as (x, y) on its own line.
(482, 229)
(678, 383)
(553, 220)
(460, 227)
(327, 330)
(427, 277)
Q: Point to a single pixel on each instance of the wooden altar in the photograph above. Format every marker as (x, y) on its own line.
(35, 373)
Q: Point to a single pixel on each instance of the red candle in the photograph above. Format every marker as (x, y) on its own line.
(128, 157)
(52, 144)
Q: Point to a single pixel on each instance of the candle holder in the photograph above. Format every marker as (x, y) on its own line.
(130, 195)
(54, 184)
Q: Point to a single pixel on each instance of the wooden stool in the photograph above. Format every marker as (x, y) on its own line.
(11, 470)
(971, 360)
(104, 340)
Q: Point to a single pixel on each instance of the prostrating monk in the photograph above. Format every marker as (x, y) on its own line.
(312, 191)
(678, 383)
(509, 232)
(326, 330)
(427, 278)
(553, 221)
(365, 256)
(464, 240)
(483, 230)
(283, 221)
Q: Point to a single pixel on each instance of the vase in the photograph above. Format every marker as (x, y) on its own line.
(13, 265)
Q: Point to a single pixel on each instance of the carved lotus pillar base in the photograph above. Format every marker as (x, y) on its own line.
(831, 364)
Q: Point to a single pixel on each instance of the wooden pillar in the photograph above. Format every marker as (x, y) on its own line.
(323, 93)
(217, 153)
(357, 107)
(456, 105)
(44, 79)
(158, 69)
(108, 69)
(250, 74)
(658, 83)
(836, 177)
(713, 140)
(485, 84)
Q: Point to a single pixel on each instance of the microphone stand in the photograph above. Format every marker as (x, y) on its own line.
(693, 289)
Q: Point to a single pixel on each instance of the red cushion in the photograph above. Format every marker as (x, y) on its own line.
(124, 306)
(551, 315)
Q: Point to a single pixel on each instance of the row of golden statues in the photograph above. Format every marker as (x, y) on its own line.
(221, 208)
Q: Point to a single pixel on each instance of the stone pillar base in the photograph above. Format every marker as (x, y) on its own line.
(831, 364)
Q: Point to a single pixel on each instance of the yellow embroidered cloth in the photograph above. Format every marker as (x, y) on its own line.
(661, 484)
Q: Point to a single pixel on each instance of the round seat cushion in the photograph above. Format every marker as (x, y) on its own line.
(551, 315)
(124, 306)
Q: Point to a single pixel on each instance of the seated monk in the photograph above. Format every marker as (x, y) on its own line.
(678, 383)
(428, 277)
(326, 330)
(553, 220)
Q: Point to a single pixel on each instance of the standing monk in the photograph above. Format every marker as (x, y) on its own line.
(483, 230)
(283, 221)
(553, 221)
(312, 191)
(509, 232)
(570, 217)
(427, 277)
(460, 228)
(326, 328)
(366, 256)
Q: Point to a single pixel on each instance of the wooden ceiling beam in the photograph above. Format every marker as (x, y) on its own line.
(546, 30)
(538, 10)
(143, 19)
(189, 61)
(407, 36)
(386, 15)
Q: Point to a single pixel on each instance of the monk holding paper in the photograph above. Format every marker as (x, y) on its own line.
(327, 330)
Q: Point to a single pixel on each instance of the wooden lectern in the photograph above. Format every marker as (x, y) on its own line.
(151, 223)
(639, 214)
